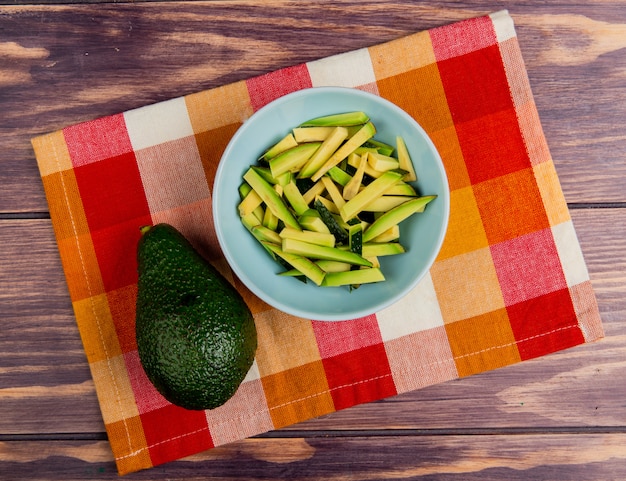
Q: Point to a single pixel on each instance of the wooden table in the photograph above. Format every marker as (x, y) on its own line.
(562, 417)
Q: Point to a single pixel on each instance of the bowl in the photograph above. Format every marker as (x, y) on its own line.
(421, 234)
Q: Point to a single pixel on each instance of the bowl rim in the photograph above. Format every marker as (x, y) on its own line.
(241, 274)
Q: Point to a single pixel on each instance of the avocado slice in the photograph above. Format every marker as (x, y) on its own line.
(293, 159)
(313, 251)
(315, 134)
(319, 238)
(363, 134)
(379, 249)
(287, 142)
(271, 198)
(395, 216)
(382, 163)
(295, 198)
(301, 264)
(343, 119)
(329, 147)
(381, 147)
(249, 203)
(339, 176)
(352, 188)
(353, 277)
(195, 334)
(404, 159)
(312, 220)
(370, 193)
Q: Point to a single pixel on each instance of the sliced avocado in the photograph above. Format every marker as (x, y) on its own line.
(329, 204)
(317, 189)
(333, 266)
(339, 176)
(250, 220)
(374, 260)
(251, 201)
(365, 133)
(311, 220)
(374, 249)
(342, 119)
(196, 337)
(311, 134)
(352, 188)
(291, 273)
(395, 216)
(333, 191)
(404, 159)
(244, 190)
(292, 159)
(266, 173)
(402, 188)
(295, 198)
(333, 226)
(382, 163)
(369, 194)
(287, 142)
(391, 234)
(245, 205)
(323, 153)
(274, 202)
(300, 263)
(369, 171)
(269, 220)
(312, 251)
(387, 202)
(353, 277)
(319, 238)
(363, 149)
(319, 134)
(381, 147)
(263, 233)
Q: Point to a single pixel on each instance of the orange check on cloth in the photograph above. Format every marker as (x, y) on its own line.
(509, 284)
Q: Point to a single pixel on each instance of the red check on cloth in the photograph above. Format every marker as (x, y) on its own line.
(509, 284)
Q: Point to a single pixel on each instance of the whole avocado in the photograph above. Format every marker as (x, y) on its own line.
(196, 336)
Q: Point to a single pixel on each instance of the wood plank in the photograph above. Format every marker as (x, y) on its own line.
(87, 61)
(464, 458)
(43, 368)
(570, 60)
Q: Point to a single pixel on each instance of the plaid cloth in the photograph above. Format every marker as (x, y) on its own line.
(510, 283)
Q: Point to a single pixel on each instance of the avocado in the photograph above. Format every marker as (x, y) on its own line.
(196, 336)
(362, 135)
(396, 215)
(270, 197)
(333, 120)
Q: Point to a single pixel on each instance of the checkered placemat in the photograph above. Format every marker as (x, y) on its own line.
(509, 284)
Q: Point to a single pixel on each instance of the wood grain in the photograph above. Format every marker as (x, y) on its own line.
(524, 457)
(43, 364)
(87, 61)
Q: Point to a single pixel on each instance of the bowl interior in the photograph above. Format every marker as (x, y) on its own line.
(421, 235)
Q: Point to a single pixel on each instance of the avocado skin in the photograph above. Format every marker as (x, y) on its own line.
(196, 336)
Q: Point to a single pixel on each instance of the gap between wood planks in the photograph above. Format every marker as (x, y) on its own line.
(352, 433)
(571, 205)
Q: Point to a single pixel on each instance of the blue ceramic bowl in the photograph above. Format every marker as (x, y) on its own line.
(421, 234)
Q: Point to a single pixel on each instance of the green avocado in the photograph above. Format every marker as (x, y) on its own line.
(196, 336)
